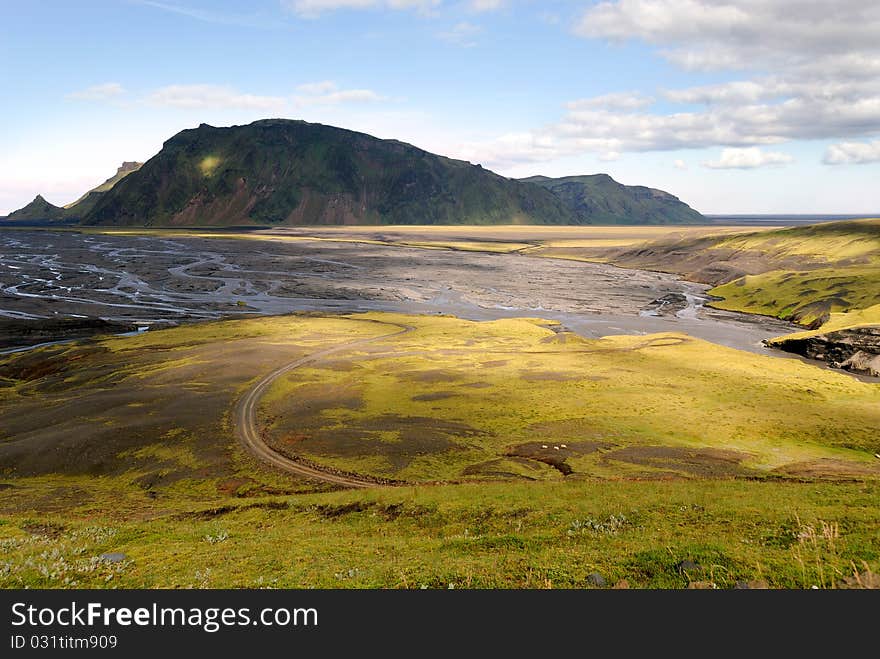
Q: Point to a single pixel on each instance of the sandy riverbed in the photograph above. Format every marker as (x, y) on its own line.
(159, 279)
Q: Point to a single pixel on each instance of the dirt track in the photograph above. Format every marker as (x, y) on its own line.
(247, 429)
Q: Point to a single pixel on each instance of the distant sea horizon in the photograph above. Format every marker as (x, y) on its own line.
(754, 219)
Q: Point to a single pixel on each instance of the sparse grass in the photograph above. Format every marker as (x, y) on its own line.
(804, 297)
(491, 535)
(830, 242)
(144, 460)
(453, 400)
(838, 271)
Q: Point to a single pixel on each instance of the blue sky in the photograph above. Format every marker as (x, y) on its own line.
(736, 106)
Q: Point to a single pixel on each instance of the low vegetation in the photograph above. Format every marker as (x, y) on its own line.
(572, 534)
(455, 400)
(676, 464)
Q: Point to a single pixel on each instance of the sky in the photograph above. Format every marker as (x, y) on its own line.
(735, 106)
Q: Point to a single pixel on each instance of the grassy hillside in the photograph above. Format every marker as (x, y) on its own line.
(491, 535)
(292, 172)
(838, 270)
(599, 199)
(38, 209)
(126, 444)
(81, 207)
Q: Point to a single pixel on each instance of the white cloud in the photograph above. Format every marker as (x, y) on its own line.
(314, 8)
(462, 34)
(322, 87)
(211, 96)
(679, 164)
(856, 153)
(609, 156)
(615, 101)
(706, 34)
(102, 92)
(750, 158)
(814, 73)
(485, 5)
(328, 92)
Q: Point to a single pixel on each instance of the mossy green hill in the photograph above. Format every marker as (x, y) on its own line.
(599, 199)
(286, 172)
(292, 172)
(41, 210)
(38, 209)
(85, 203)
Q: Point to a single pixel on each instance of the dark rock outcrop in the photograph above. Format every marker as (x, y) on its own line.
(856, 350)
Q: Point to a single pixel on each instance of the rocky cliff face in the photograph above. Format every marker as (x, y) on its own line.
(856, 350)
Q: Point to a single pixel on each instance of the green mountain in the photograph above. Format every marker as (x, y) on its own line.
(599, 199)
(38, 209)
(284, 172)
(279, 171)
(84, 204)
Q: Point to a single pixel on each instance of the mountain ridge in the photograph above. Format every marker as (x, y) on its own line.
(291, 172)
(279, 172)
(598, 198)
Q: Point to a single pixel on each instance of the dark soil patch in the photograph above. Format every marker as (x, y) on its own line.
(22, 332)
(430, 376)
(555, 454)
(47, 529)
(417, 436)
(212, 513)
(828, 469)
(311, 397)
(437, 395)
(706, 462)
(38, 364)
(232, 486)
(549, 376)
(55, 500)
(388, 511)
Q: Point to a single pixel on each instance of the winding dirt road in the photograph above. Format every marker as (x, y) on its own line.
(245, 415)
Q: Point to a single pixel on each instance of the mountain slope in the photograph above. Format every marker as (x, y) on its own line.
(599, 199)
(85, 203)
(38, 209)
(291, 172)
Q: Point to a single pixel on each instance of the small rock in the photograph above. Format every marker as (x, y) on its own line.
(113, 557)
(596, 579)
(867, 580)
(755, 584)
(702, 585)
(623, 584)
(687, 566)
